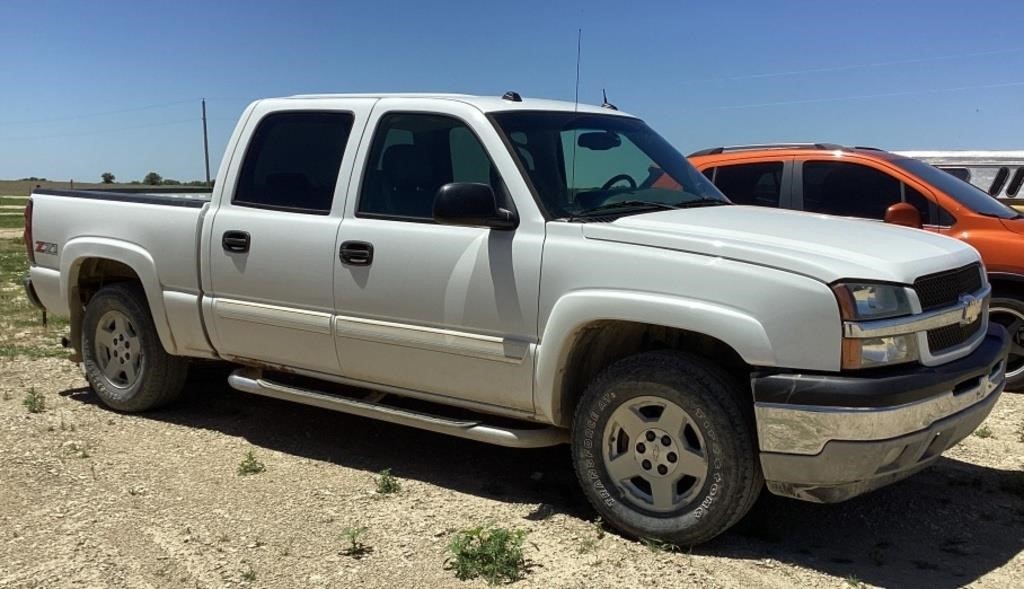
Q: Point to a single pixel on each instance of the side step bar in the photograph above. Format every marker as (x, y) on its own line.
(249, 380)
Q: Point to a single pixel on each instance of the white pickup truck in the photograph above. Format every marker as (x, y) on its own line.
(527, 273)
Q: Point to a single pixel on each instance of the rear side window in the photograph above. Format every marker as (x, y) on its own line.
(751, 184)
(293, 160)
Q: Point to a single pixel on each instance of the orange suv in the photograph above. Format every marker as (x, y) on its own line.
(874, 184)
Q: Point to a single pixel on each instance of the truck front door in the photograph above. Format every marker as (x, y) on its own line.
(442, 310)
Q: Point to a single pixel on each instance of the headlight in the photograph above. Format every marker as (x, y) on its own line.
(859, 301)
(879, 351)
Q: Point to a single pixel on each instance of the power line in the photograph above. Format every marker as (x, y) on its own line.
(100, 131)
(100, 114)
(866, 96)
(855, 66)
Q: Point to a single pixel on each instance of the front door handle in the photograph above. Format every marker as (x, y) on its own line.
(235, 241)
(356, 253)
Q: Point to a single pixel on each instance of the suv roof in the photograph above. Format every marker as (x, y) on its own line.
(798, 147)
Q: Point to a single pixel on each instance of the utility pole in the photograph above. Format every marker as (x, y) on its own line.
(206, 145)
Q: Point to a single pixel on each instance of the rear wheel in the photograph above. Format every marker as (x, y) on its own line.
(124, 361)
(1009, 313)
(664, 450)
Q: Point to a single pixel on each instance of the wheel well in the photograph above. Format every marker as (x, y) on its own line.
(1006, 287)
(601, 344)
(94, 274)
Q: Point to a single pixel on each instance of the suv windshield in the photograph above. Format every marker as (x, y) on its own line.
(582, 162)
(965, 193)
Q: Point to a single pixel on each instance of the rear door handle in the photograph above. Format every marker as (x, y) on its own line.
(356, 253)
(235, 241)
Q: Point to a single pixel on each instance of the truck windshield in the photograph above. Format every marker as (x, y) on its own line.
(965, 193)
(582, 162)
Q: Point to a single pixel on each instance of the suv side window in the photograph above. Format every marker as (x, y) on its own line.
(854, 190)
(413, 155)
(292, 162)
(751, 184)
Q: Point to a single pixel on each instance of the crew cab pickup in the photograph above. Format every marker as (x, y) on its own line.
(517, 271)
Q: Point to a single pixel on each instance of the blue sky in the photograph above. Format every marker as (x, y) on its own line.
(89, 87)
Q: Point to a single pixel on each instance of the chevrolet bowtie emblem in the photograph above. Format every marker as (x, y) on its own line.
(972, 309)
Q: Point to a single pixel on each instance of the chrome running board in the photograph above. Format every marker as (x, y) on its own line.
(249, 380)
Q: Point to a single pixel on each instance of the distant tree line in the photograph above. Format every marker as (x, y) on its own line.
(152, 179)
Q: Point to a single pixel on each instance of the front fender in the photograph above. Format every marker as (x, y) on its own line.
(574, 311)
(78, 250)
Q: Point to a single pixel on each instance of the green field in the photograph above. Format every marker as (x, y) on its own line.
(12, 221)
(22, 332)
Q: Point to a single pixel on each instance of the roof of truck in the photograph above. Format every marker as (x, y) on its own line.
(484, 103)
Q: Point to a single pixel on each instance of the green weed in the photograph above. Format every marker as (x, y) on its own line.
(34, 401)
(250, 465)
(495, 554)
(387, 483)
(356, 548)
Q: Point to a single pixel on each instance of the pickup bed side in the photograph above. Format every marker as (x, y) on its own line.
(155, 244)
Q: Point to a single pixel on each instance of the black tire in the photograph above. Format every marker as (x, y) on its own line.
(733, 479)
(1009, 312)
(158, 377)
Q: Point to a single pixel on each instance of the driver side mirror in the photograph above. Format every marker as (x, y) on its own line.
(904, 214)
(473, 205)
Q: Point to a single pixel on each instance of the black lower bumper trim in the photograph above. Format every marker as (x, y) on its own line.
(30, 292)
(882, 388)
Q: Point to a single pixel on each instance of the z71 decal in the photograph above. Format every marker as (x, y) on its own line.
(43, 247)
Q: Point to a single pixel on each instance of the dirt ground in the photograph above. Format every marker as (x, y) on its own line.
(93, 498)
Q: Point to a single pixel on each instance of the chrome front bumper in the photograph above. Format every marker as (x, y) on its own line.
(829, 438)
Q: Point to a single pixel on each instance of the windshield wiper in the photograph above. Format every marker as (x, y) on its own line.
(638, 205)
(701, 202)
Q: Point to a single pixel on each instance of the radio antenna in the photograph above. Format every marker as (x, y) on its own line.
(579, 46)
(575, 109)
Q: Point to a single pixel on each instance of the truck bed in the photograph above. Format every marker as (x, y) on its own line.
(156, 234)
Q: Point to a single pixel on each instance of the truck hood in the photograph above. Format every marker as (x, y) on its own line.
(820, 246)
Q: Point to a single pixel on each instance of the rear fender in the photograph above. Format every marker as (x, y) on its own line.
(78, 250)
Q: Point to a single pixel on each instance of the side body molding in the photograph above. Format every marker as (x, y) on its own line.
(573, 312)
(77, 250)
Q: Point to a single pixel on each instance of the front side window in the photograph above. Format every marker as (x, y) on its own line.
(849, 190)
(854, 190)
(578, 162)
(412, 156)
(293, 160)
(757, 184)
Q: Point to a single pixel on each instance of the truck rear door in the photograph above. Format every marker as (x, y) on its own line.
(272, 248)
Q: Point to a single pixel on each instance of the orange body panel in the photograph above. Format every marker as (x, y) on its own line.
(1000, 242)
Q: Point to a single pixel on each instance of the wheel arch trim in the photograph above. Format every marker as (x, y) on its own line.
(574, 312)
(77, 251)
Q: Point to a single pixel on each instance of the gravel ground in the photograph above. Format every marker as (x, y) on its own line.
(93, 498)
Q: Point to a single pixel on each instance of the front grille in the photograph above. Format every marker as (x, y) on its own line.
(943, 289)
(950, 336)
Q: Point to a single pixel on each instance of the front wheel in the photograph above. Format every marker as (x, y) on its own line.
(663, 449)
(124, 361)
(1009, 313)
